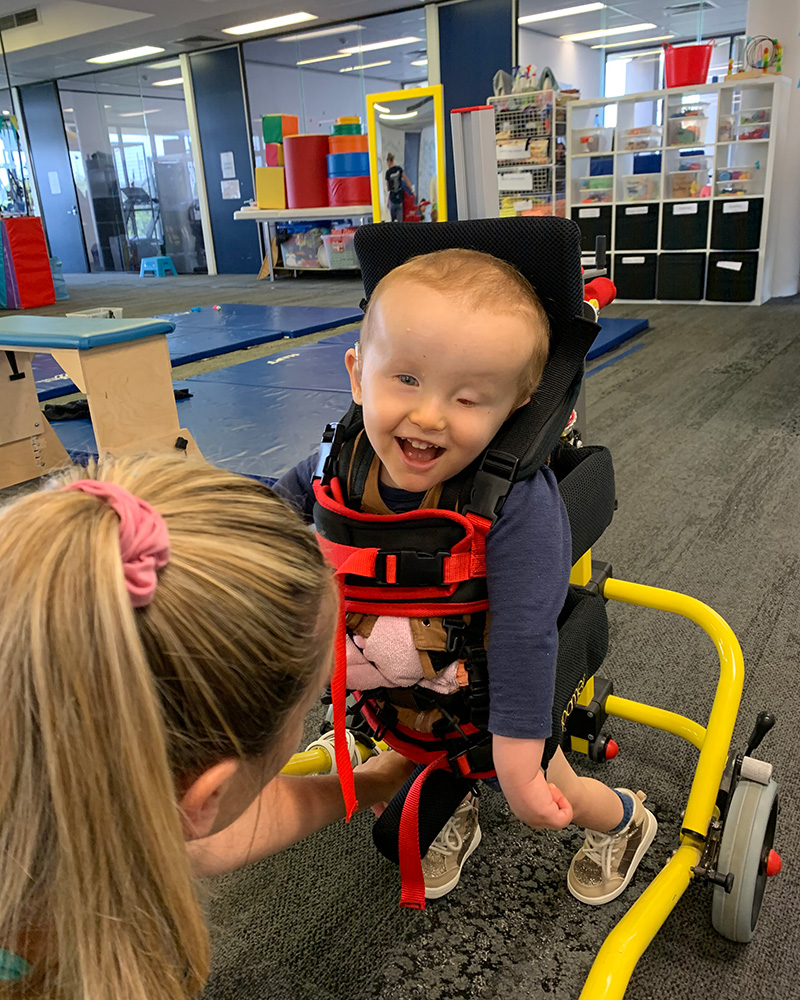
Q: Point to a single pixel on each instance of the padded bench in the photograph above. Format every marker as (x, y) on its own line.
(123, 366)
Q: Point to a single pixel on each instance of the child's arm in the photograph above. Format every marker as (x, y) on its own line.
(291, 808)
(295, 486)
(531, 798)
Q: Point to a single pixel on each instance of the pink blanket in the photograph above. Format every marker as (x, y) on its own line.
(388, 658)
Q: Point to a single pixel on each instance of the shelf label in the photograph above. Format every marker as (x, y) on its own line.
(688, 209)
(588, 213)
(636, 210)
(515, 182)
(632, 260)
(730, 265)
(523, 206)
(735, 206)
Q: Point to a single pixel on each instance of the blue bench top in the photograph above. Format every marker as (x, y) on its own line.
(76, 332)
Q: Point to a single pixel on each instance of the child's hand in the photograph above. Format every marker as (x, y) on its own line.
(536, 802)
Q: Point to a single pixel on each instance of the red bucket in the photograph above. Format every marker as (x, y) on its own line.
(687, 64)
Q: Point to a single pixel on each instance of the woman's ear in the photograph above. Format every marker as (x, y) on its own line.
(352, 362)
(202, 801)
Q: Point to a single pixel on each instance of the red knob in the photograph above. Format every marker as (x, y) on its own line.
(612, 749)
(774, 863)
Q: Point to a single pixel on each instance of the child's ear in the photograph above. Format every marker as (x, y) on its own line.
(353, 365)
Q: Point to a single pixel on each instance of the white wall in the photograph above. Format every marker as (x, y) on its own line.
(574, 65)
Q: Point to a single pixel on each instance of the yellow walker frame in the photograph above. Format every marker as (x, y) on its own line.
(615, 962)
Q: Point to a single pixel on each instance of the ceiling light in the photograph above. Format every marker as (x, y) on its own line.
(420, 62)
(136, 114)
(380, 107)
(168, 83)
(548, 15)
(271, 22)
(143, 50)
(632, 41)
(167, 64)
(372, 46)
(349, 69)
(322, 33)
(306, 62)
(634, 55)
(605, 32)
(397, 118)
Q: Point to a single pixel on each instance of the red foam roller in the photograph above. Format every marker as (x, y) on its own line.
(26, 252)
(349, 191)
(306, 167)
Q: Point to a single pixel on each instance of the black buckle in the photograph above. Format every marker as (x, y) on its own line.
(329, 448)
(412, 569)
(478, 757)
(455, 629)
(492, 482)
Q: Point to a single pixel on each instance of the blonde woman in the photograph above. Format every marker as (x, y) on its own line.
(164, 628)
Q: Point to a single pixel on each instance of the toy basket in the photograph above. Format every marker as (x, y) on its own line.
(687, 64)
(340, 251)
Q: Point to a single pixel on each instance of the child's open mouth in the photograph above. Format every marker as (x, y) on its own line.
(419, 452)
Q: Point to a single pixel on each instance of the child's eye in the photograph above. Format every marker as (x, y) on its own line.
(468, 402)
(407, 380)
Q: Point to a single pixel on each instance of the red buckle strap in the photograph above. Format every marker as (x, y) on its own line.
(412, 892)
(344, 765)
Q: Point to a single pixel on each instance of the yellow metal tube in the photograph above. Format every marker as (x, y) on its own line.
(657, 718)
(717, 741)
(625, 945)
(318, 760)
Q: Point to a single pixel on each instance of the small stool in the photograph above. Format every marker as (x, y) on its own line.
(159, 267)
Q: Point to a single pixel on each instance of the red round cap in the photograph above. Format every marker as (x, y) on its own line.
(612, 749)
(774, 863)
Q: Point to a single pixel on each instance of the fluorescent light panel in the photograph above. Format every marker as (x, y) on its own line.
(271, 22)
(605, 32)
(374, 46)
(143, 50)
(397, 118)
(307, 62)
(137, 114)
(550, 15)
(632, 41)
(322, 33)
(168, 83)
(349, 69)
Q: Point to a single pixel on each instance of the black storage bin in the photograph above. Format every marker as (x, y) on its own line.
(732, 277)
(635, 275)
(736, 224)
(593, 221)
(637, 227)
(681, 275)
(684, 225)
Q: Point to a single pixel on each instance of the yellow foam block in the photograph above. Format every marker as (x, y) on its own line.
(270, 187)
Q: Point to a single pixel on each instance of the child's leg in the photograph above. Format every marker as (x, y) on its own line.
(595, 806)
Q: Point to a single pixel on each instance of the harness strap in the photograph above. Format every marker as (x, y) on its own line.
(344, 765)
(412, 892)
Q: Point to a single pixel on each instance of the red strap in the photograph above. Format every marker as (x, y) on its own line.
(344, 765)
(412, 893)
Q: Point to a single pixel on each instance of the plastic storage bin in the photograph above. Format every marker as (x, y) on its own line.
(685, 65)
(684, 225)
(592, 140)
(641, 187)
(635, 275)
(593, 221)
(301, 244)
(339, 250)
(637, 227)
(594, 190)
(737, 181)
(687, 184)
(681, 276)
(640, 138)
(687, 130)
(732, 277)
(736, 225)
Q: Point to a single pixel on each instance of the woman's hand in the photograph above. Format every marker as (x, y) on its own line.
(383, 775)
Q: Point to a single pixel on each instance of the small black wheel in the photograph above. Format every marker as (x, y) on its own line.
(747, 840)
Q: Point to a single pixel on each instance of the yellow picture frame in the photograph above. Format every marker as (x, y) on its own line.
(375, 173)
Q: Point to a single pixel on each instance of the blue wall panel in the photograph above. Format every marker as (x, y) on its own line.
(475, 40)
(219, 99)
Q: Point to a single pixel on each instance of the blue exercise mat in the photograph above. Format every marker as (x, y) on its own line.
(261, 432)
(613, 332)
(314, 366)
(209, 332)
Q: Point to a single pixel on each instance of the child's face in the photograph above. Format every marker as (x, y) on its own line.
(436, 381)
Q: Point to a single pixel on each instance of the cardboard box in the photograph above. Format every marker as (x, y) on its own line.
(270, 187)
(273, 154)
(275, 127)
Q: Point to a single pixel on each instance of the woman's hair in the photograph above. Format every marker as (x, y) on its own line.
(107, 711)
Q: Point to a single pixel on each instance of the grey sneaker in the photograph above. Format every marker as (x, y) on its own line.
(459, 837)
(605, 864)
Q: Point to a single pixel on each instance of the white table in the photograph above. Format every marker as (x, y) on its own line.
(269, 216)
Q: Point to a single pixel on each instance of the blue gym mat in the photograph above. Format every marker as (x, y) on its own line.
(312, 366)
(255, 430)
(614, 332)
(209, 332)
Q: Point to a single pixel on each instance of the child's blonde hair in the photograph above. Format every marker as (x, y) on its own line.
(479, 281)
(107, 711)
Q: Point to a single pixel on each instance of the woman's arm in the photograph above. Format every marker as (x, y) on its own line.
(291, 808)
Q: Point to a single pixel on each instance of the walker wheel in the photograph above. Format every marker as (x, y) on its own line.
(746, 852)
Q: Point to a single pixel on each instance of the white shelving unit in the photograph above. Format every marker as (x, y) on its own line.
(530, 135)
(681, 183)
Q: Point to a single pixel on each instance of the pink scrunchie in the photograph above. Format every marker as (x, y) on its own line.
(143, 537)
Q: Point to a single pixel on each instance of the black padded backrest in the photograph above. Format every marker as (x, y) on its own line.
(546, 251)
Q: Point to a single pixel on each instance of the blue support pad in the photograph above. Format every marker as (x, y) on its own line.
(315, 366)
(614, 332)
(209, 332)
(70, 333)
(261, 432)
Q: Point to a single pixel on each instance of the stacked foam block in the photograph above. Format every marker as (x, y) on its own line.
(271, 179)
(26, 281)
(348, 164)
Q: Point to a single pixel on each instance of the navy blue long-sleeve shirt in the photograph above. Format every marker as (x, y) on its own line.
(528, 556)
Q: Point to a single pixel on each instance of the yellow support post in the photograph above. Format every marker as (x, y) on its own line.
(582, 570)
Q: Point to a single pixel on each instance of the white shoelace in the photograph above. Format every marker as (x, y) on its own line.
(449, 839)
(599, 847)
